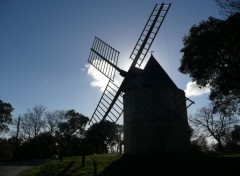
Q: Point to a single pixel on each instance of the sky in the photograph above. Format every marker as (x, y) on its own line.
(45, 44)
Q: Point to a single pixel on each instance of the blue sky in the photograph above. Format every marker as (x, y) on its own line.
(44, 47)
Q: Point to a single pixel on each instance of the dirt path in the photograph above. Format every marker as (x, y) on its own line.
(14, 168)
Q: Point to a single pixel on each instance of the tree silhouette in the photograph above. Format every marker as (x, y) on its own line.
(211, 56)
(212, 124)
(32, 122)
(52, 120)
(234, 142)
(70, 132)
(102, 136)
(5, 115)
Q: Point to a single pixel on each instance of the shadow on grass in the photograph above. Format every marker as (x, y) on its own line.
(173, 165)
(70, 164)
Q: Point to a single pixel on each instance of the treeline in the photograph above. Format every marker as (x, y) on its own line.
(42, 134)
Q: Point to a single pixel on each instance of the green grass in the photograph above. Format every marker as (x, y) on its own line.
(55, 167)
(116, 165)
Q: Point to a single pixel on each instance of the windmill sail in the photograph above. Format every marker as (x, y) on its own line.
(149, 33)
(104, 58)
(108, 103)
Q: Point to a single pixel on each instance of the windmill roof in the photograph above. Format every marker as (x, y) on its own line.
(155, 75)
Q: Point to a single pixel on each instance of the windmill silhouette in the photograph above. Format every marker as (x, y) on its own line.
(145, 109)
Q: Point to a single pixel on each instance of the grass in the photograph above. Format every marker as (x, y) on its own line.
(71, 166)
(115, 165)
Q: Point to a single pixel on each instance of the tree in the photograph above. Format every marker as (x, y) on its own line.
(52, 120)
(74, 124)
(5, 115)
(236, 135)
(198, 140)
(102, 136)
(234, 142)
(200, 143)
(70, 132)
(213, 124)
(45, 147)
(5, 150)
(228, 7)
(32, 122)
(119, 138)
(211, 56)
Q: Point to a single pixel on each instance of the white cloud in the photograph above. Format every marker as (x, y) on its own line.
(192, 89)
(98, 79)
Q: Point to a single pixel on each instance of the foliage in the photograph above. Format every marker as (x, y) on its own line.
(236, 134)
(234, 142)
(102, 136)
(43, 146)
(211, 56)
(48, 134)
(75, 124)
(200, 143)
(5, 115)
(71, 132)
(5, 150)
(58, 134)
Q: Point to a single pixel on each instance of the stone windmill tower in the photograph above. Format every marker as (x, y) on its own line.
(154, 109)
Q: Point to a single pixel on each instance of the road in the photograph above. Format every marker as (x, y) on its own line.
(14, 168)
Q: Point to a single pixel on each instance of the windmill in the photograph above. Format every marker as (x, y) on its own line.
(138, 91)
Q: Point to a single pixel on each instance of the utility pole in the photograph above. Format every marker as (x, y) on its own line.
(18, 127)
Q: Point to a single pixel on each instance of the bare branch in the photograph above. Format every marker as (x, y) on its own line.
(228, 7)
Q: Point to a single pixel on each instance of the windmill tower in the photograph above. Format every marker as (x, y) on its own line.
(154, 109)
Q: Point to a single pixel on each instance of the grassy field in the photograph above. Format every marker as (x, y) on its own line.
(116, 165)
(72, 166)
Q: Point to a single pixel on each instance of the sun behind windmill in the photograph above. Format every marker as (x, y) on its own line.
(154, 108)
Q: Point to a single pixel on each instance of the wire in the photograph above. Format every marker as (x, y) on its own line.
(168, 52)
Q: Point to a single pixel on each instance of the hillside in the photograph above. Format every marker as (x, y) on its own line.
(115, 165)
